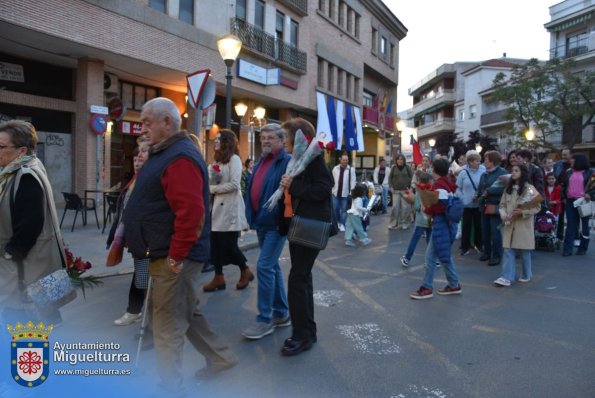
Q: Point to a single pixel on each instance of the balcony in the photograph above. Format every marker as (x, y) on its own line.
(446, 97)
(439, 126)
(266, 45)
(373, 117)
(580, 47)
(494, 118)
(300, 7)
(370, 115)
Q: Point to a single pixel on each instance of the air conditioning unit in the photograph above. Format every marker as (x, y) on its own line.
(110, 83)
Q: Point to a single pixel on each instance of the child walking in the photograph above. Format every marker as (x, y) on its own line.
(519, 203)
(355, 214)
(422, 224)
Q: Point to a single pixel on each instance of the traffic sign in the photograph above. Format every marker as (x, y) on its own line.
(99, 124)
(196, 83)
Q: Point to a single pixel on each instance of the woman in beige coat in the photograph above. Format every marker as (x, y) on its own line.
(518, 205)
(228, 217)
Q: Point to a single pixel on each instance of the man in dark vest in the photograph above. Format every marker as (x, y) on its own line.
(167, 220)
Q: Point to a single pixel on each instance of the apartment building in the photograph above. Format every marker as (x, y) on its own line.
(572, 35)
(64, 60)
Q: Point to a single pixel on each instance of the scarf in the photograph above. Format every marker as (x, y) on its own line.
(7, 172)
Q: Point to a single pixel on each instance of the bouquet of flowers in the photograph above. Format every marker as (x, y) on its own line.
(215, 173)
(75, 267)
(303, 153)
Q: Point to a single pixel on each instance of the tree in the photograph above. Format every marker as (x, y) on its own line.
(487, 143)
(548, 96)
(447, 140)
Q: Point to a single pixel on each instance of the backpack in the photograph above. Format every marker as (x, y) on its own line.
(454, 209)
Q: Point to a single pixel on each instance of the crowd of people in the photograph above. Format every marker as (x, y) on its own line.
(178, 214)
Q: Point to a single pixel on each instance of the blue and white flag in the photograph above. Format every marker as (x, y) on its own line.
(350, 137)
(322, 123)
(360, 130)
(340, 127)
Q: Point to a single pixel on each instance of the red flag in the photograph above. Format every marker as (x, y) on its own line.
(375, 104)
(417, 155)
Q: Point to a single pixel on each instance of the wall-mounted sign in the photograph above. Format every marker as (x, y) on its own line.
(258, 74)
(131, 128)
(102, 110)
(12, 72)
(99, 124)
(116, 108)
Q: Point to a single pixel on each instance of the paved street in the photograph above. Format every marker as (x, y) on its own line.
(530, 340)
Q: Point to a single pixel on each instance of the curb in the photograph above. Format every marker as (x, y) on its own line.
(243, 247)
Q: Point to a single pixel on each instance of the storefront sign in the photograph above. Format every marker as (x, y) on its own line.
(102, 110)
(258, 74)
(131, 128)
(12, 72)
(99, 124)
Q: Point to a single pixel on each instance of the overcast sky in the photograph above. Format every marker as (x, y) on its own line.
(441, 31)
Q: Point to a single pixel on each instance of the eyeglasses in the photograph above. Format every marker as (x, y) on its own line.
(6, 146)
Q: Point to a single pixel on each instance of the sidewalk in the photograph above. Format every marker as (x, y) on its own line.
(89, 243)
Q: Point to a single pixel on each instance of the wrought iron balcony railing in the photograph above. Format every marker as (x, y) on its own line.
(257, 40)
(299, 6)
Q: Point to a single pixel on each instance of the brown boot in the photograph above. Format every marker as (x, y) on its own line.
(218, 283)
(246, 277)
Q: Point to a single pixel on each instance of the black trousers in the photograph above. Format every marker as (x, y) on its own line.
(471, 219)
(136, 298)
(300, 291)
(225, 250)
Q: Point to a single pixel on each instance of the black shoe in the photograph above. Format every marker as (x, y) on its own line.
(294, 347)
(565, 254)
(484, 257)
(208, 267)
(494, 261)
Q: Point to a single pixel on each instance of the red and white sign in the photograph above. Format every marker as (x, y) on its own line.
(116, 109)
(131, 128)
(196, 83)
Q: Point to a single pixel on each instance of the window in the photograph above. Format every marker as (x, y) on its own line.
(158, 5)
(392, 55)
(340, 74)
(374, 40)
(349, 26)
(279, 21)
(186, 13)
(461, 115)
(341, 12)
(241, 9)
(383, 46)
(293, 33)
(134, 96)
(348, 80)
(356, 27)
(320, 80)
(577, 44)
(259, 14)
(472, 111)
(368, 99)
(355, 89)
(330, 77)
(331, 9)
(321, 5)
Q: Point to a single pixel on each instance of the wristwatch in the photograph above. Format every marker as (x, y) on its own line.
(173, 263)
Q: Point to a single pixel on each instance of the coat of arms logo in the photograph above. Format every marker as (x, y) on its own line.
(30, 353)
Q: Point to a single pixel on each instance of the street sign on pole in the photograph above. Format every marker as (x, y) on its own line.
(196, 83)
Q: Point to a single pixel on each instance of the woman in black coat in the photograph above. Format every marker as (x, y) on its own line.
(311, 198)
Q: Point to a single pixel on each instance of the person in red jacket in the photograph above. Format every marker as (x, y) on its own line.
(553, 194)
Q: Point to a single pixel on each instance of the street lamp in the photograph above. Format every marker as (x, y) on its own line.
(229, 47)
(259, 113)
(530, 135)
(478, 148)
(432, 142)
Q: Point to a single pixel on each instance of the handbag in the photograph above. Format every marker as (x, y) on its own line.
(309, 232)
(490, 209)
(586, 209)
(50, 292)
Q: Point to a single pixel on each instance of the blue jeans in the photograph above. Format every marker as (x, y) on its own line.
(492, 236)
(572, 220)
(417, 233)
(384, 197)
(354, 225)
(272, 299)
(449, 269)
(340, 208)
(509, 264)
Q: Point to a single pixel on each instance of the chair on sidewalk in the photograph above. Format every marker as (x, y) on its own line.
(74, 202)
(111, 200)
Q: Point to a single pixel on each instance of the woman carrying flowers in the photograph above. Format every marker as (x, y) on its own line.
(227, 212)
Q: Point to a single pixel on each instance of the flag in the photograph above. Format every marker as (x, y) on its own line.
(359, 129)
(350, 137)
(389, 107)
(332, 117)
(383, 106)
(340, 126)
(322, 123)
(417, 155)
(375, 104)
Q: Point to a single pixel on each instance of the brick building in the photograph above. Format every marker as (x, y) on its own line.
(59, 58)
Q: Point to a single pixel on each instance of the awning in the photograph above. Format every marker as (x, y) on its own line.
(431, 109)
(570, 22)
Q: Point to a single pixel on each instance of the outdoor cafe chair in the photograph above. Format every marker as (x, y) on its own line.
(74, 202)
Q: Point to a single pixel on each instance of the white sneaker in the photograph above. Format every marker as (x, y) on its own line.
(366, 241)
(258, 330)
(502, 282)
(577, 242)
(341, 227)
(128, 319)
(524, 280)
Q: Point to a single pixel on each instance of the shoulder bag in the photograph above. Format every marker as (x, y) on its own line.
(309, 232)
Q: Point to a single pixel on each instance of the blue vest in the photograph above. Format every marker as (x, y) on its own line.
(148, 218)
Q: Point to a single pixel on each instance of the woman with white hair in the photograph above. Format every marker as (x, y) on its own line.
(467, 183)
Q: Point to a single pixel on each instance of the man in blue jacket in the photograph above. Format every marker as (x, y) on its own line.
(273, 310)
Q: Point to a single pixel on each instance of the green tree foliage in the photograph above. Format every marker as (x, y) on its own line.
(546, 97)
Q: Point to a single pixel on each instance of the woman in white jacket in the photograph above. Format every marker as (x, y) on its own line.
(228, 217)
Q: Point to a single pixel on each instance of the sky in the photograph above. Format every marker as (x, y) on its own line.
(442, 31)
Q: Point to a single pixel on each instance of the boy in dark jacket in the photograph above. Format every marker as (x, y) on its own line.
(443, 233)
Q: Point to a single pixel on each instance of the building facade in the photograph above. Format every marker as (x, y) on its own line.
(60, 58)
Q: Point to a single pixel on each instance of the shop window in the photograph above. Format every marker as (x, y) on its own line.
(134, 96)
